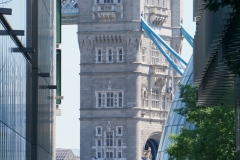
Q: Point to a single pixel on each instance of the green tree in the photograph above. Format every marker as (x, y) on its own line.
(214, 5)
(213, 137)
(232, 60)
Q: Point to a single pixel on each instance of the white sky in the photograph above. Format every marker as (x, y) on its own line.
(67, 126)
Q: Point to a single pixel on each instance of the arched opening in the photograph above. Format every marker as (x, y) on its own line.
(152, 141)
(153, 144)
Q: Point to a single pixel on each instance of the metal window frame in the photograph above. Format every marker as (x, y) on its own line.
(10, 32)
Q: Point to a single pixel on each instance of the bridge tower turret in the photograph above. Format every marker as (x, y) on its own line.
(126, 85)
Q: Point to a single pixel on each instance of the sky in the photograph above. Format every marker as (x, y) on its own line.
(67, 125)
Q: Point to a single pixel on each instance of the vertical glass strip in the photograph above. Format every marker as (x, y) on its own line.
(58, 23)
(58, 74)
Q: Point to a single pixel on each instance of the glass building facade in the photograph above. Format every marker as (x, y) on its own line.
(27, 99)
(216, 43)
(13, 77)
(174, 121)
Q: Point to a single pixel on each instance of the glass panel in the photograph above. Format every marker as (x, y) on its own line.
(120, 55)
(99, 55)
(119, 142)
(119, 130)
(99, 130)
(110, 99)
(109, 154)
(99, 99)
(18, 18)
(120, 99)
(155, 98)
(58, 23)
(109, 55)
(119, 154)
(174, 121)
(13, 95)
(99, 142)
(58, 75)
(109, 138)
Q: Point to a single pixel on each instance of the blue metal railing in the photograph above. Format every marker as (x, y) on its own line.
(186, 35)
(148, 28)
(157, 40)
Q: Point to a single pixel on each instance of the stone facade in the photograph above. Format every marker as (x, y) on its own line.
(126, 85)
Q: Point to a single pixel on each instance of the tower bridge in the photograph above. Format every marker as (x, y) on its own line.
(70, 12)
(127, 77)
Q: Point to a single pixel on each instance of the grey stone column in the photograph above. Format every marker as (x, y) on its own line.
(133, 139)
(86, 136)
(32, 110)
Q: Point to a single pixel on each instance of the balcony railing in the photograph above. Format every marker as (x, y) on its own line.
(107, 12)
(108, 7)
(158, 15)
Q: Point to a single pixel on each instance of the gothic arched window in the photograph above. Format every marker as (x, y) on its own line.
(154, 55)
(155, 98)
(110, 56)
(119, 154)
(109, 139)
(99, 155)
(120, 55)
(98, 130)
(110, 99)
(109, 154)
(119, 131)
(99, 143)
(163, 103)
(145, 95)
(99, 100)
(99, 56)
(119, 142)
(120, 99)
(145, 99)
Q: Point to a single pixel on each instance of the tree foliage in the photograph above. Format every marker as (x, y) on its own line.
(213, 137)
(214, 5)
(233, 62)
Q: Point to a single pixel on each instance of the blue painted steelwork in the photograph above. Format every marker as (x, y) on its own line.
(148, 28)
(175, 67)
(175, 121)
(154, 147)
(70, 11)
(157, 40)
(186, 35)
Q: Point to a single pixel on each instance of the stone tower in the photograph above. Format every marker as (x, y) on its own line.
(126, 84)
